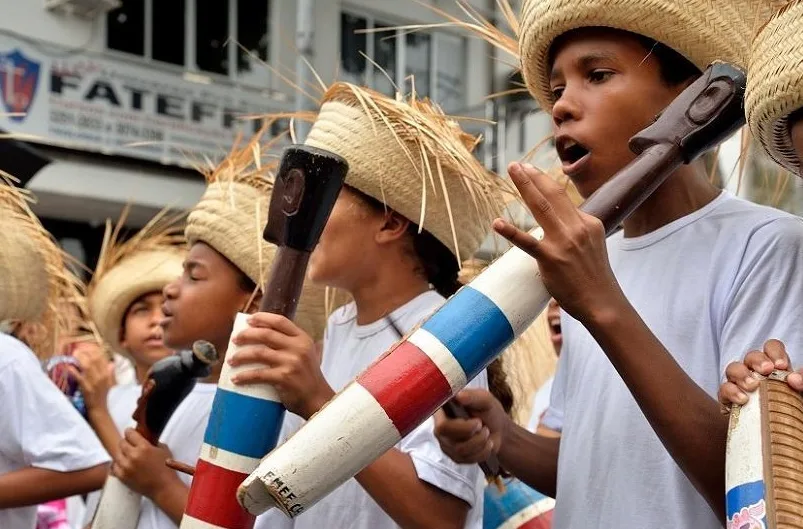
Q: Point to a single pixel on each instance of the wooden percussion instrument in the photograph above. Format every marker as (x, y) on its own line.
(764, 458)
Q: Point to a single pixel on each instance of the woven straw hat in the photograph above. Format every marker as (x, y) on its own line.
(407, 154)
(701, 30)
(35, 281)
(775, 84)
(231, 217)
(127, 270)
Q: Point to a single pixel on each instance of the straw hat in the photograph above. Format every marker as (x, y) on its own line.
(231, 217)
(127, 270)
(701, 30)
(775, 84)
(35, 281)
(407, 154)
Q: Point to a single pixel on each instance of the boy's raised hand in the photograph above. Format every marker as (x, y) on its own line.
(96, 376)
(742, 380)
(571, 250)
(291, 362)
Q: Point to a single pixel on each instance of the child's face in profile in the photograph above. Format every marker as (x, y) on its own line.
(202, 303)
(606, 87)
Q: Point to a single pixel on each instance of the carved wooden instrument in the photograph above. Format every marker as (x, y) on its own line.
(764, 458)
(245, 420)
(169, 381)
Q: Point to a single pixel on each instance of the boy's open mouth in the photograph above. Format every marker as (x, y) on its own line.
(571, 153)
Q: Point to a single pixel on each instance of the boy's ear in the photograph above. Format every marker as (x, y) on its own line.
(394, 227)
(252, 304)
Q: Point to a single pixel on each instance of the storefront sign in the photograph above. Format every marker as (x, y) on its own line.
(104, 104)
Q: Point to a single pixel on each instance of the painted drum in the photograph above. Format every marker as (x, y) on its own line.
(764, 459)
(243, 426)
(517, 507)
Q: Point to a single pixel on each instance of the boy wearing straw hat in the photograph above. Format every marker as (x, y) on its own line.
(47, 450)
(654, 315)
(223, 270)
(416, 203)
(125, 303)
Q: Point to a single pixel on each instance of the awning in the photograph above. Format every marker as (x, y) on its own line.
(92, 188)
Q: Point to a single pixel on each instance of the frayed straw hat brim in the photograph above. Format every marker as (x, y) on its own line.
(775, 84)
(231, 218)
(35, 281)
(407, 154)
(701, 30)
(140, 274)
(24, 284)
(129, 269)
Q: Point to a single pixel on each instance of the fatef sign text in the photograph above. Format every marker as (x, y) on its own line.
(137, 99)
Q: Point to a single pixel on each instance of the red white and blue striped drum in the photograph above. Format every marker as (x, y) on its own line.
(517, 507)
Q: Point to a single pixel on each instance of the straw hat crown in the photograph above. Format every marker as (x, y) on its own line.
(408, 154)
(775, 84)
(35, 281)
(231, 218)
(701, 30)
(126, 270)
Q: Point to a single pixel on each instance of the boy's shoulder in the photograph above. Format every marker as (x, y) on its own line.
(13, 352)
(736, 213)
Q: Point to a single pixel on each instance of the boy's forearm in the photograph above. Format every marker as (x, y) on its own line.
(32, 486)
(686, 419)
(531, 458)
(392, 481)
(172, 498)
(101, 421)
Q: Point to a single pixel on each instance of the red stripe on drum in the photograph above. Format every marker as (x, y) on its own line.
(544, 521)
(213, 497)
(407, 384)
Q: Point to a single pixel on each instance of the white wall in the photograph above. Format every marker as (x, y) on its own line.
(29, 18)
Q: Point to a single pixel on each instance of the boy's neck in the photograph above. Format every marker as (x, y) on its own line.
(684, 192)
(385, 292)
(141, 372)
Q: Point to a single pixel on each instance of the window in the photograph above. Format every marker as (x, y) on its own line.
(223, 37)
(436, 60)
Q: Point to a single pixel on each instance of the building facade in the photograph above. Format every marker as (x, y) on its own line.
(109, 102)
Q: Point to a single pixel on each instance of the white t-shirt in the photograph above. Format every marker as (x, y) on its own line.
(183, 434)
(711, 286)
(540, 406)
(348, 349)
(39, 427)
(121, 402)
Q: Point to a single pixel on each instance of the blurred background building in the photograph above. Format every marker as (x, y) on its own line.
(116, 101)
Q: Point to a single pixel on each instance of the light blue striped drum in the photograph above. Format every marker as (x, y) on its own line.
(518, 507)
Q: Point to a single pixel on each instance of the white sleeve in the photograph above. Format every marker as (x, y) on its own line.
(436, 468)
(273, 519)
(40, 426)
(553, 417)
(766, 299)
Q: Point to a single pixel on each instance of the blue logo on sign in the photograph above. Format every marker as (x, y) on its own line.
(19, 77)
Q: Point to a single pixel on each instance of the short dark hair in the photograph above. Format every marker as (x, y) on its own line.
(675, 68)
